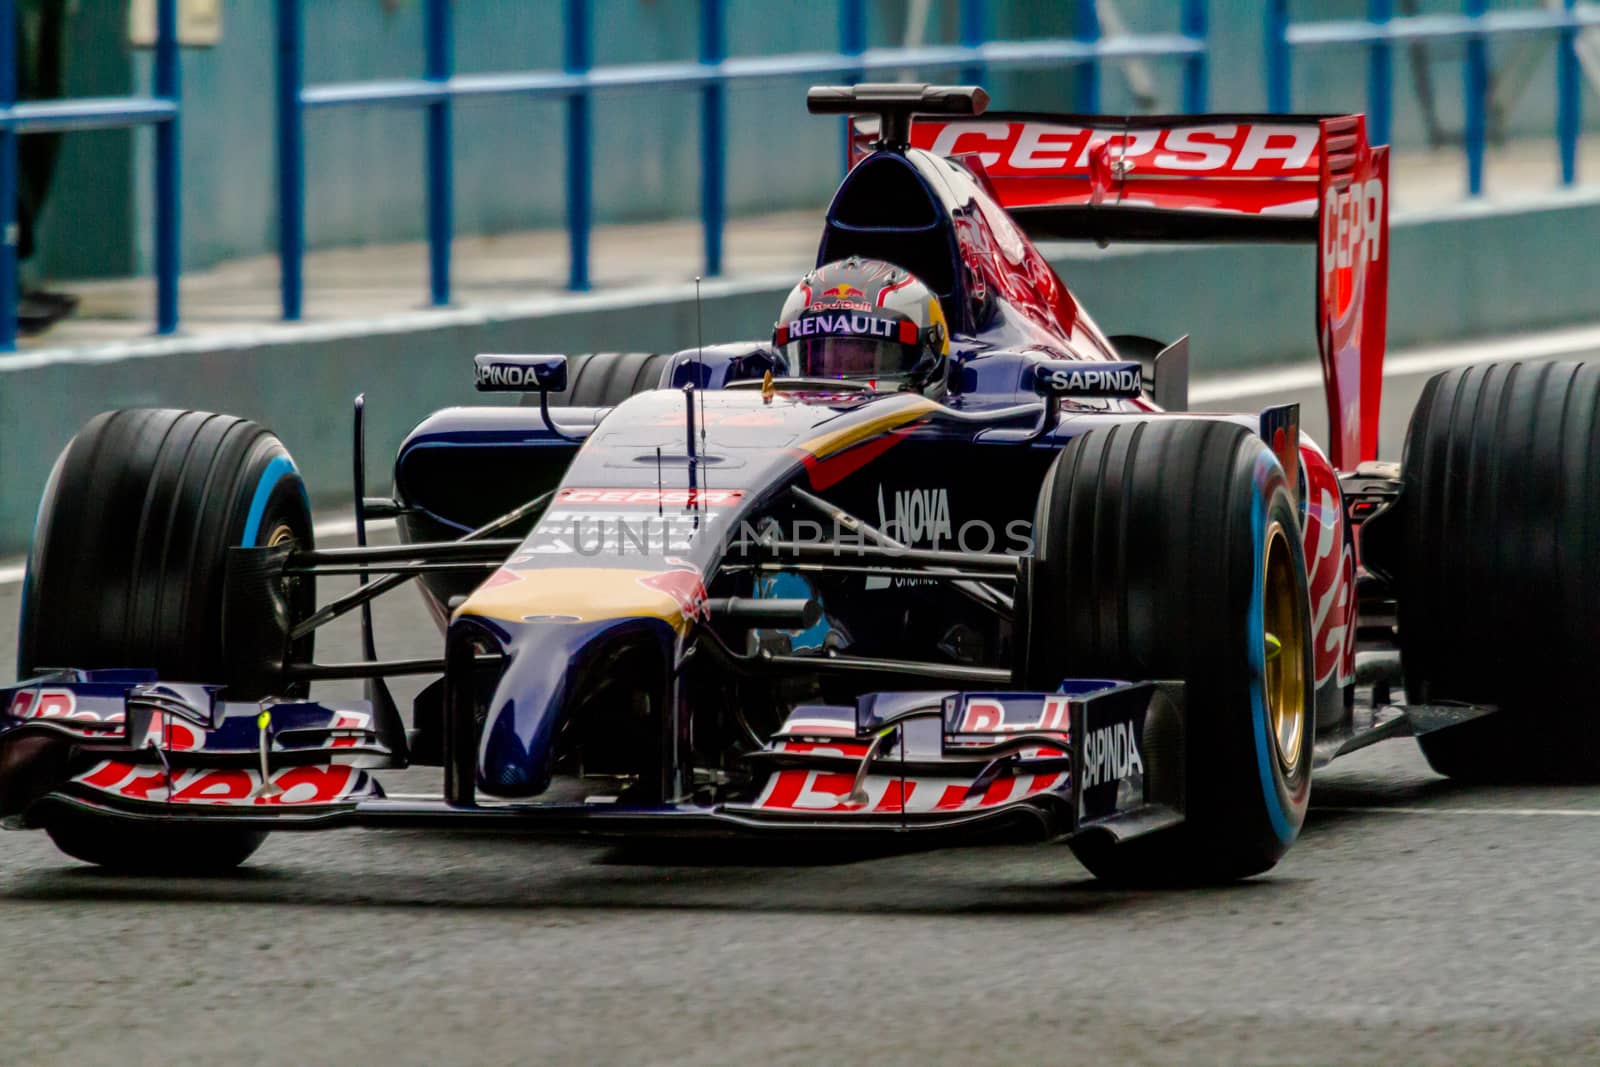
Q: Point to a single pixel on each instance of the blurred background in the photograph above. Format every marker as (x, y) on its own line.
(364, 177)
(266, 206)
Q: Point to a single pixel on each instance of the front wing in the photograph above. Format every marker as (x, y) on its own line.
(1096, 755)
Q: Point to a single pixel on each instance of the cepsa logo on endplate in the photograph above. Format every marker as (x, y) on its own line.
(1352, 234)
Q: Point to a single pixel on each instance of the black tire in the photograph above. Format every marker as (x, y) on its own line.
(605, 379)
(127, 570)
(1497, 604)
(131, 546)
(1153, 539)
(167, 851)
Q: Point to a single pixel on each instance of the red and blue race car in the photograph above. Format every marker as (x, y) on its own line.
(713, 593)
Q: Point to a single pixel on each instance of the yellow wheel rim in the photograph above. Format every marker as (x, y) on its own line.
(1283, 641)
(283, 535)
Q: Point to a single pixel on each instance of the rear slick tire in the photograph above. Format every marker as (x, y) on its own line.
(605, 379)
(1497, 586)
(1167, 550)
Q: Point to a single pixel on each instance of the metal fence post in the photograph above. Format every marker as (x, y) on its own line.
(8, 179)
(1196, 68)
(439, 47)
(1086, 73)
(291, 160)
(1476, 78)
(852, 42)
(1569, 99)
(973, 18)
(577, 59)
(1380, 75)
(852, 31)
(1279, 88)
(713, 147)
(168, 165)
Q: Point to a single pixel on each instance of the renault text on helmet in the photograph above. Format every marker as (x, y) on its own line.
(865, 320)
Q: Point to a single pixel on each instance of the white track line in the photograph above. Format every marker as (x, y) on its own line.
(1416, 361)
(1514, 812)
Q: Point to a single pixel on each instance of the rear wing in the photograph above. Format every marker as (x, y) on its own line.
(1208, 178)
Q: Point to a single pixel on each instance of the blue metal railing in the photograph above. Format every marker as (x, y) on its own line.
(51, 116)
(711, 74)
(1474, 27)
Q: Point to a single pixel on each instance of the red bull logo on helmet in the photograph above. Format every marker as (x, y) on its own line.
(843, 291)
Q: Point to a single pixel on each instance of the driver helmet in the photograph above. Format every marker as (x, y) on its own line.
(865, 320)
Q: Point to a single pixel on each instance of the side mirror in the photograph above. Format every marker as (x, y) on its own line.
(1170, 390)
(1057, 378)
(520, 374)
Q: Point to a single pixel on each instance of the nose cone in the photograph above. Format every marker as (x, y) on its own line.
(552, 670)
(588, 594)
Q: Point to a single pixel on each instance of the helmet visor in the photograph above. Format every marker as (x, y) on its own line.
(853, 343)
(850, 357)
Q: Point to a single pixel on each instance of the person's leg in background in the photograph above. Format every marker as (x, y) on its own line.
(41, 75)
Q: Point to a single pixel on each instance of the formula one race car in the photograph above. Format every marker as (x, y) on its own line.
(942, 558)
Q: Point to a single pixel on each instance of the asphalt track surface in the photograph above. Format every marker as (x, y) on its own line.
(1416, 921)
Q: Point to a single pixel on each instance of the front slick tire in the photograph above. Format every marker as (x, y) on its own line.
(129, 559)
(128, 569)
(1169, 549)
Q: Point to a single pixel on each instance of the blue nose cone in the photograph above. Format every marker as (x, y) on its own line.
(549, 667)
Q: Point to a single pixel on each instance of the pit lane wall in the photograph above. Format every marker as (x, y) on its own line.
(1454, 273)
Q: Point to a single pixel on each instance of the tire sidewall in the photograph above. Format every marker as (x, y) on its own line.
(275, 498)
(1277, 797)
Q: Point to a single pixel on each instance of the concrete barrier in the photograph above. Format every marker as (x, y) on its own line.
(1466, 271)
